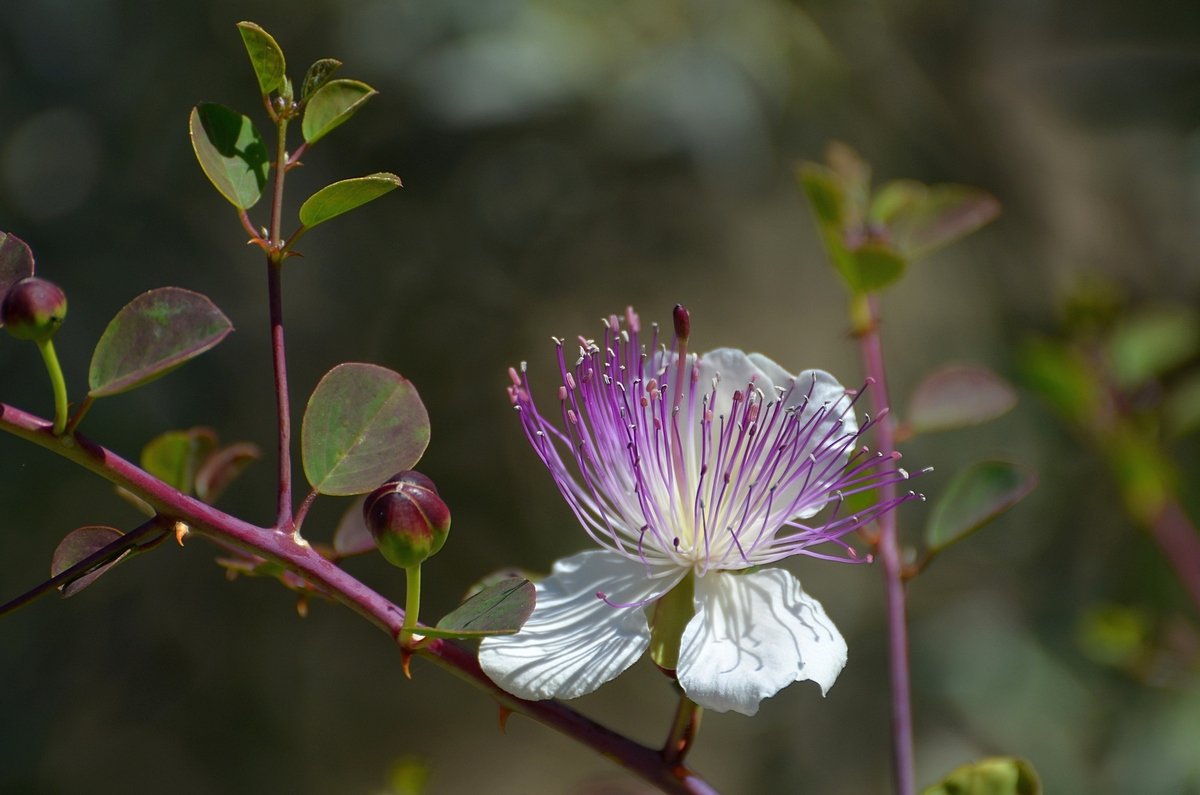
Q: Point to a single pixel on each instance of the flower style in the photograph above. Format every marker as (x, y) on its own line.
(693, 472)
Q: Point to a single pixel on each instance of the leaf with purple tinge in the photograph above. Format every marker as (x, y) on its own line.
(975, 497)
(363, 424)
(78, 545)
(16, 262)
(958, 396)
(222, 467)
(352, 536)
(921, 219)
(152, 335)
(174, 457)
(500, 609)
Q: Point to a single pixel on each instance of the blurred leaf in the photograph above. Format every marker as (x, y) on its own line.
(152, 335)
(1113, 635)
(1143, 472)
(222, 468)
(231, 152)
(265, 56)
(957, 396)
(853, 174)
(77, 546)
(175, 456)
(340, 197)
(1182, 406)
(318, 75)
(331, 105)
(824, 193)
(874, 267)
(1061, 376)
(352, 536)
(16, 262)
(363, 423)
(410, 776)
(975, 497)
(1152, 344)
(940, 215)
(501, 609)
(894, 197)
(1000, 775)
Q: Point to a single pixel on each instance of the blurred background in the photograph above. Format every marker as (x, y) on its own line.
(561, 160)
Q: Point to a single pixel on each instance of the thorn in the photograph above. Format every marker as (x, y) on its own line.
(503, 717)
(302, 606)
(405, 661)
(181, 530)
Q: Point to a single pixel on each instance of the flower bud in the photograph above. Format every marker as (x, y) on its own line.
(407, 518)
(33, 309)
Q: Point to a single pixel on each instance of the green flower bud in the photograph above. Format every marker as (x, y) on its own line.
(407, 518)
(33, 309)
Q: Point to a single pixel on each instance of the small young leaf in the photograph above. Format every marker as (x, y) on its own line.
(943, 214)
(824, 193)
(352, 536)
(501, 609)
(222, 467)
(175, 456)
(975, 497)
(78, 545)
(995, 776)
(318, 75)
(265, 56)
(331, 105)
(341, 197)
(363, 423)
(16, 262)
(152, 335)
(957, 396)
(1153, 343)
(231, 152)
(874, 267)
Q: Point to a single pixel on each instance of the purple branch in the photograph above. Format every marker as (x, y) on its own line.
(893, 574)
(283, 514)
(1180, 545)
(336, 583)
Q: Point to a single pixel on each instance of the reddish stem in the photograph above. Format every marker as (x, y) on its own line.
(329, 578)
(1176, 536)
(283, 520)
(888, 545)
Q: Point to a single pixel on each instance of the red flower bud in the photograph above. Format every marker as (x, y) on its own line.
(33, 309)
(407, 518)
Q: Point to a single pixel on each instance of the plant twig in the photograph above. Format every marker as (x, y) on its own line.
(684, 729)
(283, 514)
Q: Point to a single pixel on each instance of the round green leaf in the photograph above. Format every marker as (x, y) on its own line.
(340, 197)
(363, 424)
(265, 56)
(957, 396)
(77, 546)
(152, 335)
(974, 498)
(231, 152)
(1000, 775)
(16, 262)
(331, 105)
(318, 75)
(874, 267)
(500, 609)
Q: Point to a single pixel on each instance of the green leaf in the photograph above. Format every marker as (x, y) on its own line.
(265, 56)
(222, 467)
(895, 197)
(957, 396)
(16, 262)
(854, 175)
(975, 497)
(873, 267)
(175, 456)
(1152, 344)
(152, 335)
(318, 75)
(501, 609)
(352, 536)
(363, 424)
(999, 775)
(331, 105)
(77, 546)
(231, 152)
(824, 193)
(340, 197)
(937, 217)
(1062, 376)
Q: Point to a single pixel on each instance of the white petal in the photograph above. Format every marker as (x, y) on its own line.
(575, 642)
(736, 371)
(825, 390)
(753, 635)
